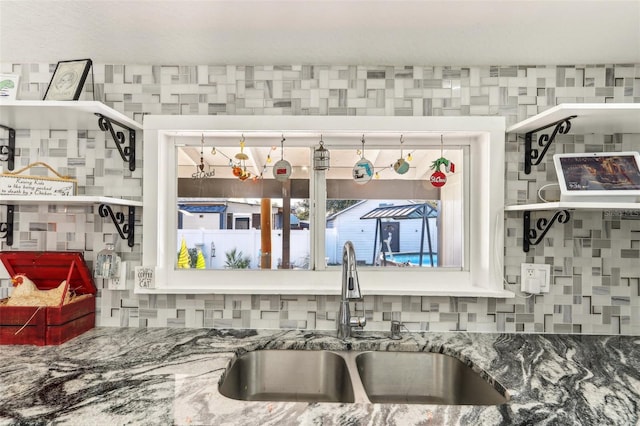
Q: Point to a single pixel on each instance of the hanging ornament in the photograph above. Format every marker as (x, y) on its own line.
(438, 178)
(363, 170)
(201, 165)
(244, 175)
(241, 155)
(321, 157)
(401, 166)
(239, 170)
(200, 173)
(282, 168)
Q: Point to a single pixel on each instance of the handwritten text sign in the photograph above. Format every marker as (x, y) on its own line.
(33, 185)
(145, 277)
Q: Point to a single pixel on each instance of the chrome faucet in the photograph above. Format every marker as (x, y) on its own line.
(350, 291)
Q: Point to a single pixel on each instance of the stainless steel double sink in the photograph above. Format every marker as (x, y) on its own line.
(347, 377)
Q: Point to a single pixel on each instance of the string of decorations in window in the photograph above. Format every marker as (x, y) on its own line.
(362, 172)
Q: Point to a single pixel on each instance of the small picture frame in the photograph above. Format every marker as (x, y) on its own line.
(68, 80)
(9, 84)
(145, 277)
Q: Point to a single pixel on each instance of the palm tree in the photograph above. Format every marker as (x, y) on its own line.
(236, 260)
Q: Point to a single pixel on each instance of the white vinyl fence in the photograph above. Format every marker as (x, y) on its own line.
(215, 243)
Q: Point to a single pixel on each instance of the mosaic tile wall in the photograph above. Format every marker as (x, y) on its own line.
(595, 258)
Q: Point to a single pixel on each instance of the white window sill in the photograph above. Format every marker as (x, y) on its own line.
(460, 292)
(372, 282)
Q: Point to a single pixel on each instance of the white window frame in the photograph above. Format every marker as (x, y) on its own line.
(481, 277)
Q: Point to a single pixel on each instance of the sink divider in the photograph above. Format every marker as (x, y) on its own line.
(359, 393)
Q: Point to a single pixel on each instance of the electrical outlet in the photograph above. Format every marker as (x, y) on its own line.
(535, 278)
(119, 283)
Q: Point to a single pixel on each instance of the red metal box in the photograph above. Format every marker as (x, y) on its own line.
(50, 325)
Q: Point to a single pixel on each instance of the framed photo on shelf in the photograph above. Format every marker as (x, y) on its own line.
(9, 86)
(68, 80)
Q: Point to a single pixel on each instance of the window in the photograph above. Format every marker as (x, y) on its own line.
(461, 246)
(253, 201)
(409, 226)
(353, 212)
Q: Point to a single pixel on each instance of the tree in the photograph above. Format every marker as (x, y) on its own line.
(333, 206)
(302, 209)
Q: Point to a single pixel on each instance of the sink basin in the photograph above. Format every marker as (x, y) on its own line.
(363, 377)
(423, 378)
(288, 375)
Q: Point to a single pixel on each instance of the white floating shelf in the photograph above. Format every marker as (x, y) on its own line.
(591, 118)
(560, 205)
(59, 115)
(68, 201)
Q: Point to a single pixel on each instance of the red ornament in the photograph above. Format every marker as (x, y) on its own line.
(438, 179)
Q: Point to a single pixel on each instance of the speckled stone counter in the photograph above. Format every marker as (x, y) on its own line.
(170, 376)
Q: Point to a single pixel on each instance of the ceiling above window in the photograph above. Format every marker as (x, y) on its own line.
(321, 32)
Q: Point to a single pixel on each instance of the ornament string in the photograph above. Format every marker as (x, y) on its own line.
(201, 166)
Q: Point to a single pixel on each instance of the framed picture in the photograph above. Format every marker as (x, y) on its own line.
(9, 86)
(68, 80)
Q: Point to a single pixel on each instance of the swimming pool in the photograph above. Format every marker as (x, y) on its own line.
(412, 258)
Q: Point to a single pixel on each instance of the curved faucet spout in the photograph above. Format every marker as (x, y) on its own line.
(350, 283)
(350, 291)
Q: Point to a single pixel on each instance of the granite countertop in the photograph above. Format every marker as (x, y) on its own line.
(170, 376)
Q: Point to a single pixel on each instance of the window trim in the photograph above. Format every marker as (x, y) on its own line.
(486, 195)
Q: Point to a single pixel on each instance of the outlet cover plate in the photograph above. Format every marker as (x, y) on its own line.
(119, 283)
(535, 278)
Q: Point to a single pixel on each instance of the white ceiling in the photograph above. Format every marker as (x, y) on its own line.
(323, 32)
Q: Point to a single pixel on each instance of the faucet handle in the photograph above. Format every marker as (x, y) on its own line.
(358, 321)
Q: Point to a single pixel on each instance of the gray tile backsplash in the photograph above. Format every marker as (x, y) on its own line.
(595, 258)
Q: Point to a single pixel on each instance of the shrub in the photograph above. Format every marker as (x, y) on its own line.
(236, 260)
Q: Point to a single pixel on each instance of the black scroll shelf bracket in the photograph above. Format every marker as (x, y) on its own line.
(531, 237)
(6, 228)
(532, 156)
(126, 230)
(127, 153)
(8, 152)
